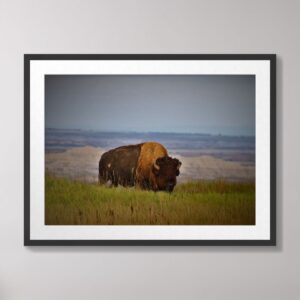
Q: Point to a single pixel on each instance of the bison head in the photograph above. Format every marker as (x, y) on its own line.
(165, 170)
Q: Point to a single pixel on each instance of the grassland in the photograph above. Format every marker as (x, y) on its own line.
(195, 203)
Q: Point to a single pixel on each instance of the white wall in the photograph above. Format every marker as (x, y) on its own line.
(156, 26)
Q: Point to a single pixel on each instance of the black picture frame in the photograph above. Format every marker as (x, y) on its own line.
(31, 242)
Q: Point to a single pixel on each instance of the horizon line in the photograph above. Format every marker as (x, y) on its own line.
(167, 132)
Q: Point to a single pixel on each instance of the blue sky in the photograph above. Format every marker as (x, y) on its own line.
(215, 104)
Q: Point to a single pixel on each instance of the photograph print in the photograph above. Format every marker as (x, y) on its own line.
(152, 155)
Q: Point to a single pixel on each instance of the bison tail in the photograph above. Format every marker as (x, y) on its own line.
(101, 179)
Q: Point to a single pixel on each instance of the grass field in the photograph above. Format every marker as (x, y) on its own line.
(194, 203)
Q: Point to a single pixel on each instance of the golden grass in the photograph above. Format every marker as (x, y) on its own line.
(193, 203)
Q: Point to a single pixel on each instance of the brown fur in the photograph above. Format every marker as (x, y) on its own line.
(150, 152)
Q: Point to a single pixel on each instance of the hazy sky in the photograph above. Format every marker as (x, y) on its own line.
(214, 104)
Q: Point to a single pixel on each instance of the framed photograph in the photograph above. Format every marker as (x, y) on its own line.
(150, 149)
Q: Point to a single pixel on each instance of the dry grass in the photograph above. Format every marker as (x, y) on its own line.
(194, 203)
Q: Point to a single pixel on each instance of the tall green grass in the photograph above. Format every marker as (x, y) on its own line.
(193, 203)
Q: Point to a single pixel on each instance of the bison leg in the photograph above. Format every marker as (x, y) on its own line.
(114, 179)
(143, 184)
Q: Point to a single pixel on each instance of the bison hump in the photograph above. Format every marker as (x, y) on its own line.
(150, 152)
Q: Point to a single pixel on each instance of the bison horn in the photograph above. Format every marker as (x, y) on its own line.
(156, 166)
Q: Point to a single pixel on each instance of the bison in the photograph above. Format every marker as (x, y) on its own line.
(145, 165)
